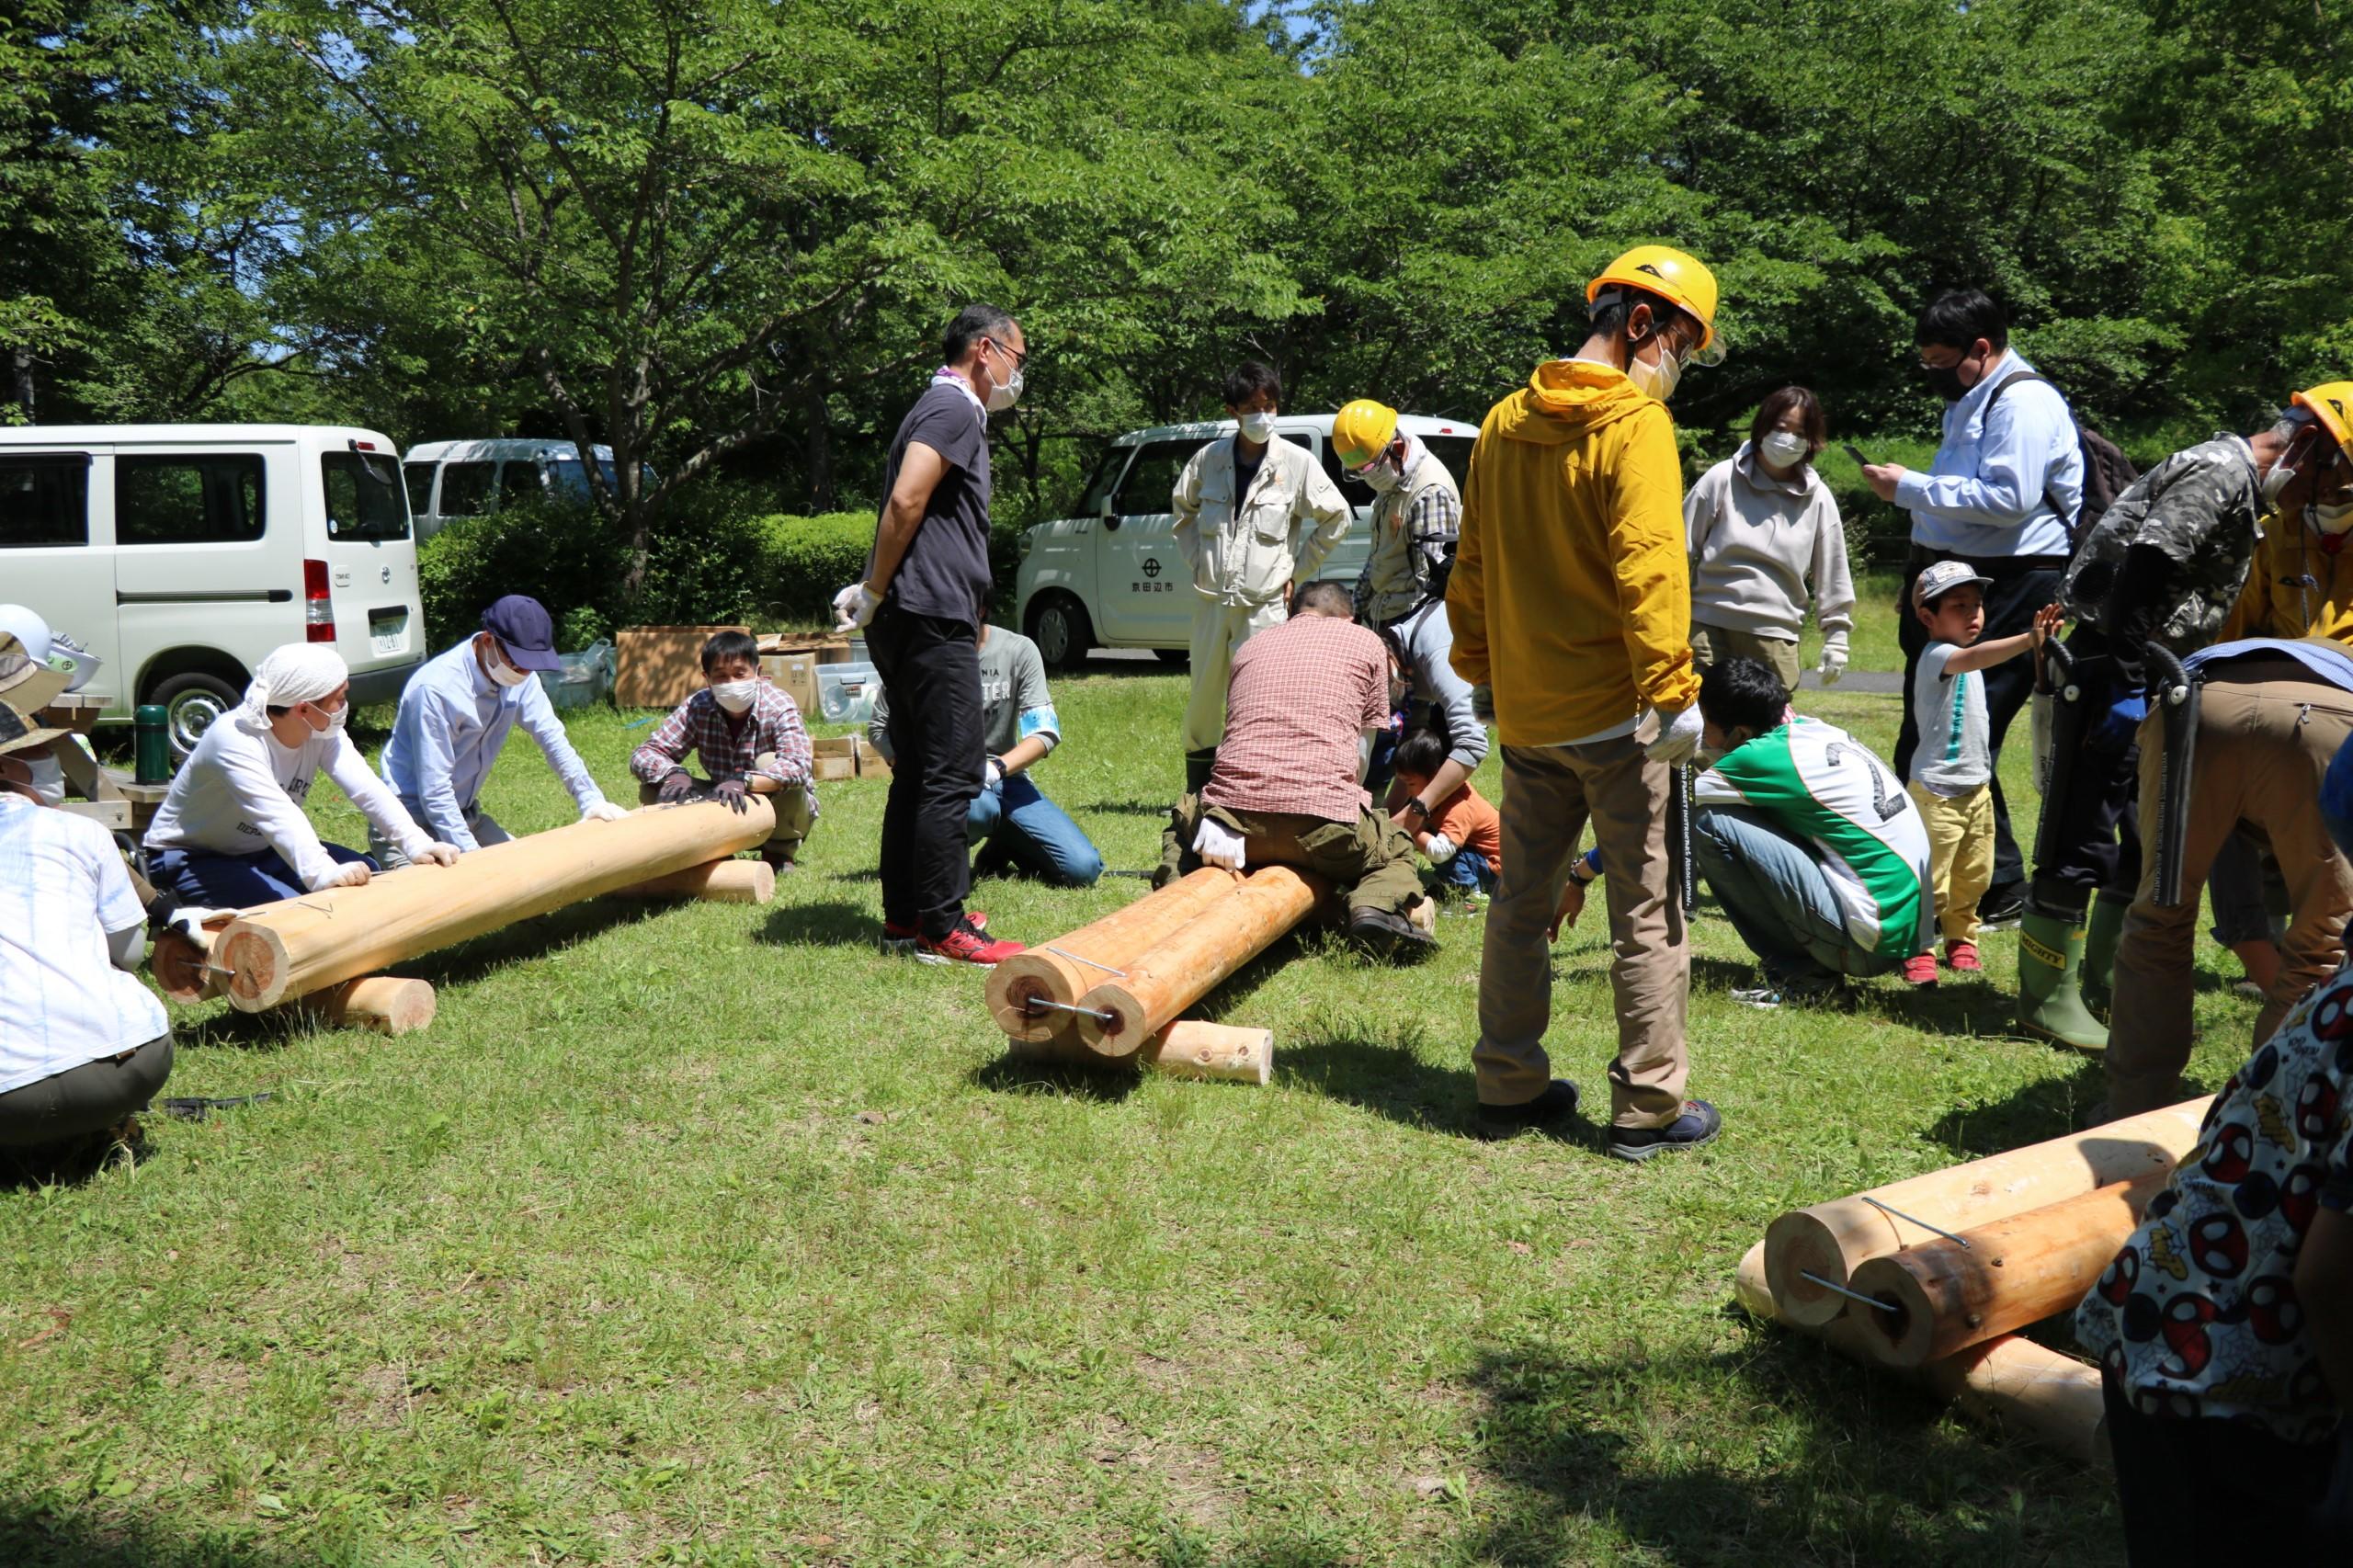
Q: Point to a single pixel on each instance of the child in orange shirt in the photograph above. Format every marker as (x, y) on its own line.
(1463, 835)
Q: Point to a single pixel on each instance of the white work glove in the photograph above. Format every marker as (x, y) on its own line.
(1441, 850)
(188, 921)
(993, 776)
(1216, 846)
(1834, 657)
(354, 874)
(854, 607)
(1678, 738)
(601, 810)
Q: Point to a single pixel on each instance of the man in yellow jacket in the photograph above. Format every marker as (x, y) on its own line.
(1571, 597)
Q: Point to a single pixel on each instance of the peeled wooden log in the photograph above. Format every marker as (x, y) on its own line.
(2014, 1272)
(1190, 963)
(1189, 1048)
(388, 1006)
(2009, 1380)
(306, 944)
(717, 881)
(1068, 967)
(179, 965)
(1831, 1240)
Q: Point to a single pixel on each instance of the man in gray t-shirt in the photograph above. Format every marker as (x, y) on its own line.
(1011, 819)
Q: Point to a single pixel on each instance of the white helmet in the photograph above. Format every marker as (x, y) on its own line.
(28, 628)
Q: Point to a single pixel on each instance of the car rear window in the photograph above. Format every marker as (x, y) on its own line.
(207, 498)
(365, 501)
(44, 500)
(420, 486)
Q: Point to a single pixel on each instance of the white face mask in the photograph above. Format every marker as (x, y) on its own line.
(2334, 520)
(1007, 391)
(335, 719)
(1383, 477)
(502, 673)
(735, 696)
(1654, 381)
(1784, 448)
(1258, 427)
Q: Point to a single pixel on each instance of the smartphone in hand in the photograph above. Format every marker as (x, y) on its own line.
(1856, 452)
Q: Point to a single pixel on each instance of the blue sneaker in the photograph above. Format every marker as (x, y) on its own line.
(1699, 1124)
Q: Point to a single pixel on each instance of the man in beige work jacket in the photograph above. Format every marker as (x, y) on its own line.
(1245, 557)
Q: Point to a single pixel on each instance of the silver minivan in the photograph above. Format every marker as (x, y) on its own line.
(449, 480)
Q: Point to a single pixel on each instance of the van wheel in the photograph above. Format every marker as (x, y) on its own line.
(191, 704)
(1058, 624)
(1175, 658)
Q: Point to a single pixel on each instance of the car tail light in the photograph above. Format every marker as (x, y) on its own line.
(318, 607)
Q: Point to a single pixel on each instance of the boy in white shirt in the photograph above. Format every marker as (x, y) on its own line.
(1952, 767)
(231, 835)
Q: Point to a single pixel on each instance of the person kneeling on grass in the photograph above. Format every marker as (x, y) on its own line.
(456, 714)
(1303, 704)
(1016, 826)
(2223, 1329)
(230, 833)
(1463, 833)
(748, 737)
(1818, 857)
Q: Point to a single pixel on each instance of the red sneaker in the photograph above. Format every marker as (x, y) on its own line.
(898, 938)
(1920, 970)
(1961, 958)
(965, 945)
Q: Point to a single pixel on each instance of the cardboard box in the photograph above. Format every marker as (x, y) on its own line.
(796, 676)
(834, 757)
(661, 666)
(832, 650)
(871, 763)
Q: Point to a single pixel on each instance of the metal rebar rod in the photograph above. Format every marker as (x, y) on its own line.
(1042, 1005)
(1851, 1295)
(1119, 973)
(1937, 1230)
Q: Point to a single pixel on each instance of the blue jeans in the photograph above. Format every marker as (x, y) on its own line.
(1017, 823)
(1468, 871)
(1779, 898)
(234, 881)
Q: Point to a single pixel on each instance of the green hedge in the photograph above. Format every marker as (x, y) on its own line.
(713, 565)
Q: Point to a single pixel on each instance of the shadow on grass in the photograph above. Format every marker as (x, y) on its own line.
(2049, 1107)
(832, 923)
(76, 1162)
(37, 1534)
(1009, 1074)
(1862, 1470)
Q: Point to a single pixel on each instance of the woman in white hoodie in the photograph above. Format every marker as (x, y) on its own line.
(1766, 540)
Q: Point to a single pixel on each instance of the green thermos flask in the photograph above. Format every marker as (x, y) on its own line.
(152, 758)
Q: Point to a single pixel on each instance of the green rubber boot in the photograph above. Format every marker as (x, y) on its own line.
(1196, 770)
(2050, 966)
(2100, 935)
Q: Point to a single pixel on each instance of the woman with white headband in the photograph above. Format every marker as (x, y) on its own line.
(231, 833)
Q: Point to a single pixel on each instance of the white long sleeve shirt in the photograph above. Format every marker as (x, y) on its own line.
(242, 793)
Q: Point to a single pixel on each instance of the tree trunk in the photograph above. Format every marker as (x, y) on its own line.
(817, 451)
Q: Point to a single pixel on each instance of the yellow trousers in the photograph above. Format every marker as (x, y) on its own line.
(1960, 855)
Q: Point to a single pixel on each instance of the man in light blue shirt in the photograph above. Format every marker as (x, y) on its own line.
(458, 712)
(2002, 496)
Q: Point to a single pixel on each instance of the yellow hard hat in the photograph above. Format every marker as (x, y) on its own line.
(1673, 276)
(1362, 430)
(2331, 403)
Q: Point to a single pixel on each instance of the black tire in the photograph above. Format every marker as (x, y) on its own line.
(1058, 624)
(1175, 658)
(191, 704)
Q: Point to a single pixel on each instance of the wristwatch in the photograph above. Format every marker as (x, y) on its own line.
(1419, 807)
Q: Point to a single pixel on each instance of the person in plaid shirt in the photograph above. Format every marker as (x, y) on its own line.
(1304, 701)
(748, 737)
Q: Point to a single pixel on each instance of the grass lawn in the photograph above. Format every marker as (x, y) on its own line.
(705, 1234)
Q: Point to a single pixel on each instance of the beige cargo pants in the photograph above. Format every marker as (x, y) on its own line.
(1549, 794)
(1217, 631)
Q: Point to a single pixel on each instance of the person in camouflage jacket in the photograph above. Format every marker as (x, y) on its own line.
(2164, 563)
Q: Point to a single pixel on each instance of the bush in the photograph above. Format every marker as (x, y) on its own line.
(710, 563)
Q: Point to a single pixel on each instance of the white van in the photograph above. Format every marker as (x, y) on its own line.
(449, 480)
(181, 554)
(1112, 576)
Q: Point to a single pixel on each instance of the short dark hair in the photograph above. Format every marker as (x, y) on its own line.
(1326, 596)
(1743, 694)
(971, 323)
(1960, 318)
(1607, 314)
(1776, 407)
(1250, 378)
(727, 646)
(1419, 753)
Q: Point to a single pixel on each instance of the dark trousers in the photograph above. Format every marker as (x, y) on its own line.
(2198, 1492)
(2021, 586)
(236, 881)
(87, 1098)
(931, 667)
(2095, 835)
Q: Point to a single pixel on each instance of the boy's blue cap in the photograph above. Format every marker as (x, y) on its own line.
(520, 623)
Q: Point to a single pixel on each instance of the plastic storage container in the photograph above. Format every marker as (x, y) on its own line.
(586, 676)
(846, 692)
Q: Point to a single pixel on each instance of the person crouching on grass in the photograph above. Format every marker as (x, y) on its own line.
(1463, 833)
(748, 737)
(1952, 767)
